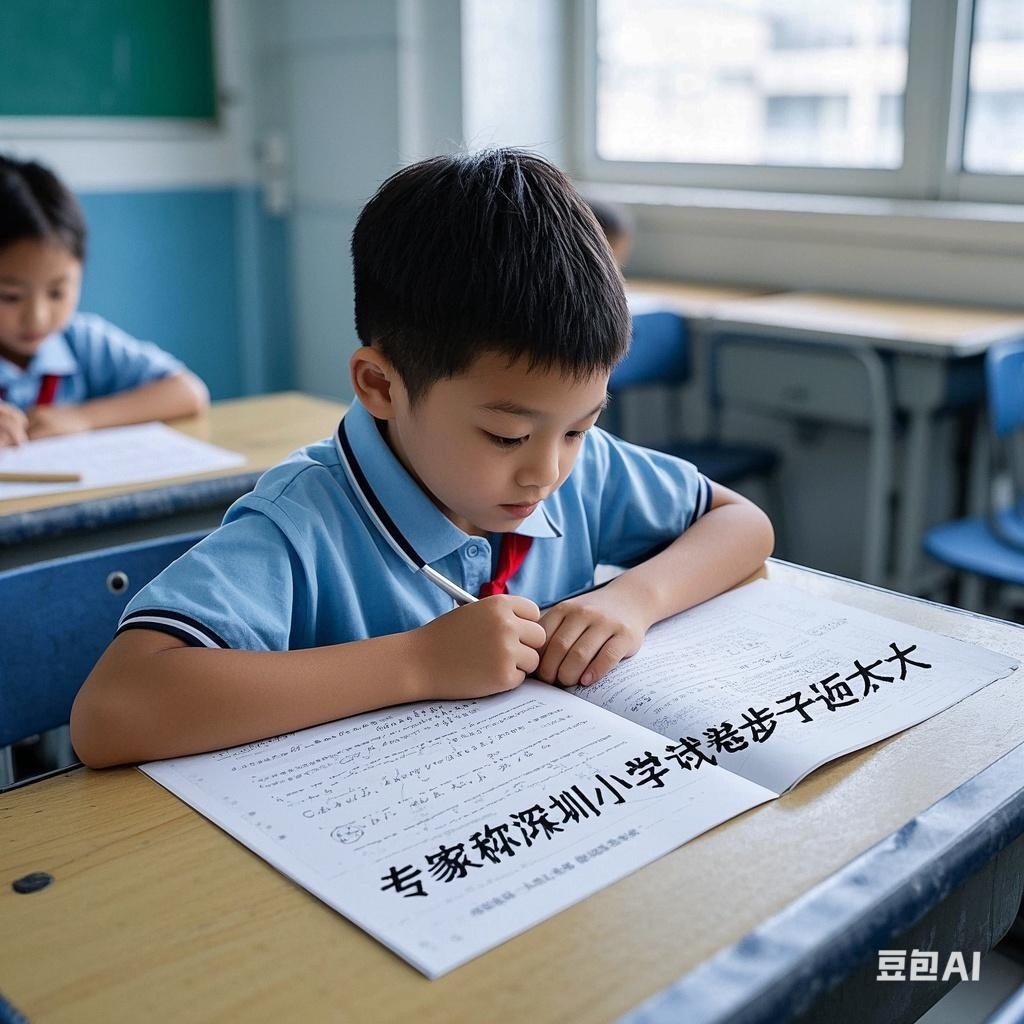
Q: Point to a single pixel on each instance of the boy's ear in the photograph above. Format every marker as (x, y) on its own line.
(373, 379)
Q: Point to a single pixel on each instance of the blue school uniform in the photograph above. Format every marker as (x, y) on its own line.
(307, 558)
(90, 358)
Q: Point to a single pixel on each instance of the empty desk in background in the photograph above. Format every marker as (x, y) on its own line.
(695, 303)
(154, 913)
(264, 429)
(689, 299)
(933, 359)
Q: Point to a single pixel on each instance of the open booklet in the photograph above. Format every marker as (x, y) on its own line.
(112, 457)
(444, 829)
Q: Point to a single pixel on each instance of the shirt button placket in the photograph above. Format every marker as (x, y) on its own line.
(478, 566)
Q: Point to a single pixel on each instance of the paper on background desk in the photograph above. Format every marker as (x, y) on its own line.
(337, 807)
(112, 457)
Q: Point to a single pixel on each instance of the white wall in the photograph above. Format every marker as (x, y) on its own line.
(356, 89)
(515, 67)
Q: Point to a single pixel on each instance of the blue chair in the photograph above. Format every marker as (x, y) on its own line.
(58, 618)
(659, 355)
(990, 547)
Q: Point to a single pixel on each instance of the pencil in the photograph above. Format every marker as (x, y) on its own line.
(15, 477)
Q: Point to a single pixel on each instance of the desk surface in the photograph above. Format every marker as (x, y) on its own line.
(264, 429)
(155, 913)
(911, 326)
(689, 298)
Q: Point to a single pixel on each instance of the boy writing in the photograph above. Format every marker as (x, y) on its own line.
(491, 313)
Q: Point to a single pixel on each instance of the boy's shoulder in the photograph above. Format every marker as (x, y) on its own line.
(598, 453)
(89, 326)
(91, 334)
(307, 468)
(609, 468)
(307, 489)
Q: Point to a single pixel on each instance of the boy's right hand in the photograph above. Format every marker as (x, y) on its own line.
(13, 426)
(479, 649)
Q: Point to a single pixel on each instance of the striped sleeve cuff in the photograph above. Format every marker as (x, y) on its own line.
(703, 502)
(194, 633)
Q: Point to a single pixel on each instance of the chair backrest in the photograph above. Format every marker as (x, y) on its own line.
(1004, 378)
(659, 352)
(58, 618)
(1004, 387)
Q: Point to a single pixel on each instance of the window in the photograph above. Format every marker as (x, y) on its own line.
(873, 97)
(994, 129)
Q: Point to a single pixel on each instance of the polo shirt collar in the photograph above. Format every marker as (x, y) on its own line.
(422, 524)
(54, 356)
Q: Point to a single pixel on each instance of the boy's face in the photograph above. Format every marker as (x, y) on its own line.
(491, 443)
(39, 286)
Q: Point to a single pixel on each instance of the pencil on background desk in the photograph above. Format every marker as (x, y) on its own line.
(39, 478)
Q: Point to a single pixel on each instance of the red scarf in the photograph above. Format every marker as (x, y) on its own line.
(47, 389)
(510, 556)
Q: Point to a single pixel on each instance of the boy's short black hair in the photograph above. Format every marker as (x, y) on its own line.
(34, 203)
(488, 252)
(615, 220)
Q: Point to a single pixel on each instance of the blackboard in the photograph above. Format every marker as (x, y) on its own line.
(107, 58)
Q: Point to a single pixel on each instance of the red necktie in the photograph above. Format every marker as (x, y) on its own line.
(513, 550)
(47, 389)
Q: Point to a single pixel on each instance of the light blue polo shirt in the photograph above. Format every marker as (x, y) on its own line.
(300, 561)
(92, 357)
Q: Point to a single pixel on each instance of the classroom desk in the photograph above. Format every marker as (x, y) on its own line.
(155, 914)
(264, 429)
(689, 299)
(935, 353)
(695, 303)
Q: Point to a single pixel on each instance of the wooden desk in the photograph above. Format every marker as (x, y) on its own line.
(935, 364)
(264, 429)
(689, 299)
(915, 328)
(154, 913)
(696, 304)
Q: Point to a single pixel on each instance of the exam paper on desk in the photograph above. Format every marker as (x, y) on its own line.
(111, 457)
(338, 806)
(758, 645)
(425, 824)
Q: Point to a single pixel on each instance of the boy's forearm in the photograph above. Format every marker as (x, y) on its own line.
(181, 394)
(151, 697)
(720, 550)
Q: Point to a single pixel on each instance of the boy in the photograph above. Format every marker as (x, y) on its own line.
(491, 313)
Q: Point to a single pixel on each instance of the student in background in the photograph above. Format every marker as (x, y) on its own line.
(617, 225)
(491, 313)
(60, 371)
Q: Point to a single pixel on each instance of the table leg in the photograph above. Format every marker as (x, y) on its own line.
(920, 387)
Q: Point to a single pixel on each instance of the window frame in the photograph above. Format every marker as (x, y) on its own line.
(933, 118)
(958, 183)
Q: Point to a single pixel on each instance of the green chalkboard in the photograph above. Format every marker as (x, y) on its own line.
(106, 58)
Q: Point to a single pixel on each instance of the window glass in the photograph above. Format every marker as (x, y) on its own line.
(994, 129)
(780, 82)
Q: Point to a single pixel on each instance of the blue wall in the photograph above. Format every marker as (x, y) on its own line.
(200, 272)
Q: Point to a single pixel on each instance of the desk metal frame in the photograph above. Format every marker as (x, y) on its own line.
(919, 380)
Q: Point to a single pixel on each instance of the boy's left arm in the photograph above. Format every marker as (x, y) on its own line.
(172, 397)
(588, 635)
